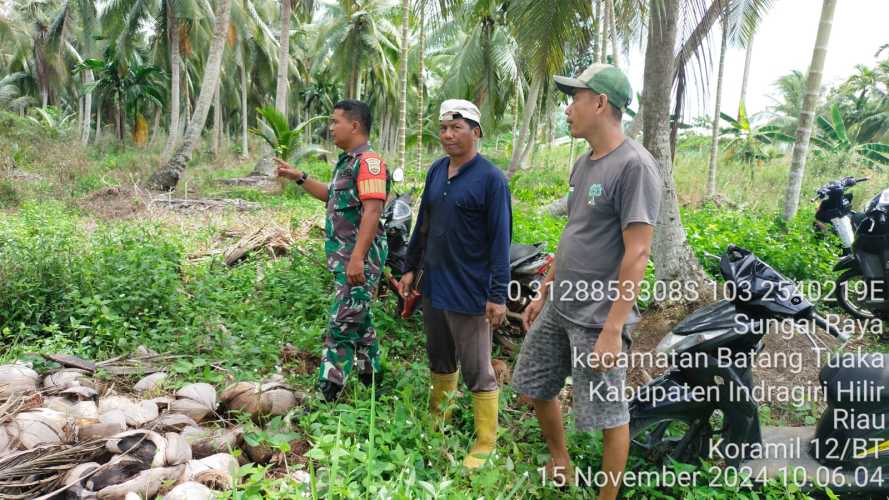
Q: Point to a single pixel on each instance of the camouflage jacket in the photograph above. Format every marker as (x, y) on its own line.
(344, 205)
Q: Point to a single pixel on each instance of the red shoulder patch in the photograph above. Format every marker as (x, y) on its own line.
(371, 177)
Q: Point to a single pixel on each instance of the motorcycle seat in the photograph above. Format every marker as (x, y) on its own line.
(519, 253)
(717, 316)
(857, 380)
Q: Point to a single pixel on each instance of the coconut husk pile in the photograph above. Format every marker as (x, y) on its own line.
(68, 434)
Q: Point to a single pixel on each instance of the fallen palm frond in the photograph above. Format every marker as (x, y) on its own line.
(275, 240)
(30, 473)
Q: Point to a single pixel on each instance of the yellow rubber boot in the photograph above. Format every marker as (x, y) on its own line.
(484, 408)
(442, 383)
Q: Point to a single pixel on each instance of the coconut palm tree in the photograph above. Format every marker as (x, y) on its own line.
(543, 31)
(167, 176)
(673, 257)
(789, 101)
(484, 67)
(740, 20)
(807, 114)
(714, 141)
(355, 39)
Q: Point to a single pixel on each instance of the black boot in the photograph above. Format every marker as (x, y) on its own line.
(370, 378)
(330, 390)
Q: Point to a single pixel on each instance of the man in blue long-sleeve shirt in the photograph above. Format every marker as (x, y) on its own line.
(461, 243)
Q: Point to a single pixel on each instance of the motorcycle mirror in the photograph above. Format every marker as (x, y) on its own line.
(398, 175)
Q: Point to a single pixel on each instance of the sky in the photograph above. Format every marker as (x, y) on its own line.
(783, 43)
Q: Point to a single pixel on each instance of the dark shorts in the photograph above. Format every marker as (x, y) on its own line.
(556, 348)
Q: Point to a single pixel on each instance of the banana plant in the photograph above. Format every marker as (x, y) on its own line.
(274, 130)
(747, 142)
(835, 141)
(52, 120)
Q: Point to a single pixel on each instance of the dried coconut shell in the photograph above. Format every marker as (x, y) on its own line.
(190, 491)
(75, 474)
(66, 378)
(172, 422)
(40, 426)
(148, 446)
(146, 483)
(216, 471)
(118, 470)
(150, 382)
(16, 379)
(205, 442)
(178, 450)
(90, 432)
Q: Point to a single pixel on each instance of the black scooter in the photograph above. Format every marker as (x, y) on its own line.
(861, 288)
(397, 219)
(528, 266)
(711, 352)
(835, 210)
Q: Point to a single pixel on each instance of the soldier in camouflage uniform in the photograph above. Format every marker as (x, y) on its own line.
(356, 246)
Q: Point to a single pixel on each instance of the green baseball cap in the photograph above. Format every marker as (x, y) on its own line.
(601, 79)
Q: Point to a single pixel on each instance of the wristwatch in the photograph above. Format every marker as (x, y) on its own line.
(302, 178)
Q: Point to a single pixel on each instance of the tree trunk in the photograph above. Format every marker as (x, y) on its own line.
(421, 94)
(515, 115)
(265, 166)
(175, 81)
(80, 111)
(597, 47)
(155, 127)
(603, 36)
(688, 48)
(283, 59)
(98, 121)
(244, 142)
(166, 177)
(87, 107)
(217, 118)
(119, 119)
(673, 258)
(530, 107)
(188, 103)
(612, 28)
(746, 77)
(402, 112)
(714, 141)
(807, 114)
(635, 127)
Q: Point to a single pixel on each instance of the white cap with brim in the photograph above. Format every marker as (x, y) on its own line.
(452, 109)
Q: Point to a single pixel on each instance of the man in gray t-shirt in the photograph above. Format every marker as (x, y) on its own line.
(580, 323)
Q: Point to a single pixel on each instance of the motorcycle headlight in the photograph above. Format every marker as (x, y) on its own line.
(400, 210)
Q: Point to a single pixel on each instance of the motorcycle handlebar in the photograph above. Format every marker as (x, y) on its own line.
(862, 179)
(821, 322)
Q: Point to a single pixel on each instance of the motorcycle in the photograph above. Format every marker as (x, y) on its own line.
(528, 266)
(861, 288)
(670, 418)
(397, 220)
(835, 210)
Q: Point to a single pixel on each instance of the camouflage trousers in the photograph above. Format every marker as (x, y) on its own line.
(351, 338)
